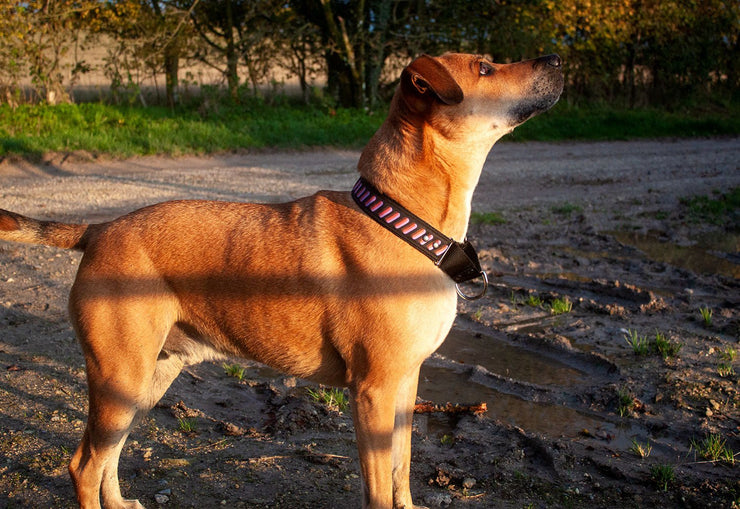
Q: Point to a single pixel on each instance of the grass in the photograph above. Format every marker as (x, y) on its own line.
(713, 448)
(706, 315)
(217, 125)
(640, 344)
(234, 370)
(728, 354)
(664, 346)
(662, 475)
(641, 450)
(186, 425)
(123, 131)
(561, 306)
(625, 402)
(331, 397)
(490, 218)
(718, 210)
(566, 208)
(725, 370)
(605, 122)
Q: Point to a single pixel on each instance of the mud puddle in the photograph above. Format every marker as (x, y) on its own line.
(522, 388)
(715, 254)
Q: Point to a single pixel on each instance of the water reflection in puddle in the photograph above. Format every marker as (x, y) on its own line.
(498, 357)
(710, 254)
(442, 385)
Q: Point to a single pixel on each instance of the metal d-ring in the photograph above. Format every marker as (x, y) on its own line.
(477, 296)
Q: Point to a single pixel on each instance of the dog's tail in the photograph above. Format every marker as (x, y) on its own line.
(18, 228)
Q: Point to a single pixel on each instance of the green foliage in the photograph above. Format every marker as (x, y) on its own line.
(641, 450)
(706, 315)
(728, 354)
(566, 208)
(187, 425)
(625, 402)
(600, 121)
(234, 370)
(490, 218)
(640, 344)
(560, 306)
(123, 131)
(721, 209)
(662, 475)
(331, 397)
(713, 448)
(664, 346)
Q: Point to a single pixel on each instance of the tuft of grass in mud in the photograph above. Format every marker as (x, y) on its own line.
(706, 315)
(640, 450)
(625, 402)
(234, 370)
(490, 218)
(331, 397)
(728, 354)
(664, 346)
(662, 476)
(561, 306)
(640, 344)
(725, 370)
(713, 448)
(186, 425)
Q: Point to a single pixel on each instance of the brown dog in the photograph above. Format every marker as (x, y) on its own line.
(315, 287)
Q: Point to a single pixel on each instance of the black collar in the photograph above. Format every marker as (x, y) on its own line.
(457, 259)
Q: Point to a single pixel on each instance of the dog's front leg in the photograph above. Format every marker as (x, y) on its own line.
(373, 412)
(405, 401)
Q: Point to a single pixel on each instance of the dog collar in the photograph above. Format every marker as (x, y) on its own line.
(457, 259)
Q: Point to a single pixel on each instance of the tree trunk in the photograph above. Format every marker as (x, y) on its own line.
(232, 59)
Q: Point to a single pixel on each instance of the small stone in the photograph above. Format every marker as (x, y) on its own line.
(161, 499)
(438, 499)
(468, 483)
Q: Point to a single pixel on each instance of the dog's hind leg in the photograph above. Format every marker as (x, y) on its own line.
(126, 377)
(94, 467)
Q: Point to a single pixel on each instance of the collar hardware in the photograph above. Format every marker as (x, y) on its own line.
(457, 259)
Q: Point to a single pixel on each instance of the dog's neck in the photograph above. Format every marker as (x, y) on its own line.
(417, 166)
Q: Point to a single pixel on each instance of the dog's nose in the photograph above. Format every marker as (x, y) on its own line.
(552, 60)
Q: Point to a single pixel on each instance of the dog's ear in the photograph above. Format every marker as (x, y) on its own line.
(426, 79)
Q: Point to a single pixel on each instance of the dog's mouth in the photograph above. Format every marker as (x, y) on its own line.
(543, 95)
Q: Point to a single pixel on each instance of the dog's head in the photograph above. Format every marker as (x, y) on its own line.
(459, 94)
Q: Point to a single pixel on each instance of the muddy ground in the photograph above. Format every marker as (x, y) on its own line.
(601, 225)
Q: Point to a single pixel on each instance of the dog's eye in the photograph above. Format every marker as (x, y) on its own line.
(485, 69)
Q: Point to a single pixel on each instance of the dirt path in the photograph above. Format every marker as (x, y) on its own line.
(599, 225)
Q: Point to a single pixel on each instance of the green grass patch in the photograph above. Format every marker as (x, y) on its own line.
(625, 402)
(720, 209)
(713, 448)
(567, 121)
(331, 397)
(665, 347)
(662, 476)
(566, 208)
(560, 306)
(215, 126)
(123, 131)
(640, 344)
(491, 218)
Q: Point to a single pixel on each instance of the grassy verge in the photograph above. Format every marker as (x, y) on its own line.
(602, 122)
(122, 131)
